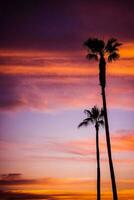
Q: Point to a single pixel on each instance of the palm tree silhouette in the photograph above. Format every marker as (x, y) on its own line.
(100, 51)
(95, 116)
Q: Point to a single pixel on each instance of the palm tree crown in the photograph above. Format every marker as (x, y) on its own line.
(98, 48)
(100, 51)
(95, 116)
(104, 52)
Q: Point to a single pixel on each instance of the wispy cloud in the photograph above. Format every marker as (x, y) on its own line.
(83, 150)
(69, 188)
(124, 195)
(48, 81)
(15, 179)
(19, 179)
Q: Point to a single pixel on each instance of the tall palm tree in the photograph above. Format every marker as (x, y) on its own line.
(104, 52)
(95, 116)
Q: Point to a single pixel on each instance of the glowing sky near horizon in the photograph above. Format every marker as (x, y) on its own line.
(45, 84)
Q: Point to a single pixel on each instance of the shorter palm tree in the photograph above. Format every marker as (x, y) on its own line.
(95, 117)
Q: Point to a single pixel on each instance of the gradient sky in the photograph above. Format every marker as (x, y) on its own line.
(45, 84)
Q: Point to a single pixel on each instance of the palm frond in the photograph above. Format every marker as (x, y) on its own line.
(116, 45)
(101, 115)
(95, 112)
(94, 45)
(112, 45)
(89, 120)
(83, 124)
(92, 56)
(101, 122)
(113, 56)
(95, 115)
(88, 112)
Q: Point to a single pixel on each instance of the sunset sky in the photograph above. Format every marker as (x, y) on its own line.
(45, 84)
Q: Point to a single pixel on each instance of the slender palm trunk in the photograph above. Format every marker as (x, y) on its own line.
(98, 162)
(115, 196)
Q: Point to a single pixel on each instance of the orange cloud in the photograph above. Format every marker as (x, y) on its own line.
(70, 195)
(63, 63)
(70, 183)
(66, 77)
(127, 50)
(80, 188)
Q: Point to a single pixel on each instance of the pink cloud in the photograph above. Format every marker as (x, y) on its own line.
(32, 79)
(122, 141)
(75, 150)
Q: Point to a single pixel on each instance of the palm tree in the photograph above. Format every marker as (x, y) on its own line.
(100, 51)
(95, 116)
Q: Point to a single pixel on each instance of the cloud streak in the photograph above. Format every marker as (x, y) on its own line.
(69, 188)
(49, 81)
(15, 179)
(49, 182)
(124, 194)
(73, 151)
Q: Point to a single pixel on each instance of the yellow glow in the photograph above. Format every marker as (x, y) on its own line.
(121, 70)
(127, 50)
(72, 194)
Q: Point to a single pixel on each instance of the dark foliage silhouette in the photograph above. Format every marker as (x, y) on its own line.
(95, 116)
(100, 51)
